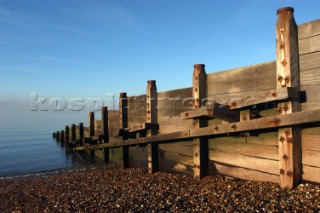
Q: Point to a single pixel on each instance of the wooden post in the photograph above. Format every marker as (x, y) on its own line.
(54, 135)
(66, 130)
(58, 136)
(81, 133)
(200, 145)
(62, 136)
(287, 53)
(123, 108)
(91, 130)
(152, 117)
(73, 133)
(105, 126)
(91, 124)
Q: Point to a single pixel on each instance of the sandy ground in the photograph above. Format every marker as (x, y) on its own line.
(110, 189)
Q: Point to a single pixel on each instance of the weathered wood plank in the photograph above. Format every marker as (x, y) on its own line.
(309, 29)
(310, 77)
(311, 139)
(242, 173)
(311, 158)
(311, 174)
(259, 77)
(173, 124)
(212, 110)
(258, 164)
(262, 97)
(177, 148)
(243, 148)
(312, 98)
(309, 45)
(310, 61)
(297, 118)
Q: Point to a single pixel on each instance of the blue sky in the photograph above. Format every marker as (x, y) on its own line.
(95, 48)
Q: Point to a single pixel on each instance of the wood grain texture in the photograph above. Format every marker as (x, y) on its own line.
(243, 148)
(309, 61)
(312, 98)
(309, 29)
(311, 174)
(258, 164)
(309, 45)
(310, 77)
(255, 77)
(242, 173)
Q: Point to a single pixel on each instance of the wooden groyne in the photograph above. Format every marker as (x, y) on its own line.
(260, 122)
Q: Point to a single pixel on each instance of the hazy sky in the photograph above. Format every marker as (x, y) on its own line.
(95, 48)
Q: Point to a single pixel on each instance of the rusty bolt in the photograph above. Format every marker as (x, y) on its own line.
(281, 139)
(285, 157)
(289, 173)
(289, 140)
(279, 110)
(285, 108)
(186, 114)
(274, 94)
(234, 126)
(216, 128)
(233, 104)
(148, 111)
(281, 46)
(281, 31)
(282, 171)
(276, 121)
(284, 62)
(196, 154)
(244, 118)
(280, 78)
(287, 79)
(287, 132)
(196, 78)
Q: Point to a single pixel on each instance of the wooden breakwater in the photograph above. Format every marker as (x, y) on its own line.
(260, 122)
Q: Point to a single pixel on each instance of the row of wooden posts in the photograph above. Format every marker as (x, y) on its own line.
(287, 121)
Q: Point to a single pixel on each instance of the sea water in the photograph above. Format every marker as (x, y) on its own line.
(27, 146)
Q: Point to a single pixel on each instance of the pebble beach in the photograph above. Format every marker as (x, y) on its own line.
(111, 189)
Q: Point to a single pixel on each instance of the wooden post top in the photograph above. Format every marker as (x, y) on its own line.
(199, 66)
(123, 95)
(104, 108)
(285, 9)
(151, 82)
(91, 113)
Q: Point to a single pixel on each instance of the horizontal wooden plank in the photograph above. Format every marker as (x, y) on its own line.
(258, 164)
(310, 138)
(311, 174)
(138, 157)
(311, 158)
(174, 124)
(312, 98)
(243, 148)
(255, 77)
(242, 173)
(212, 110)
(310, 77)
(297, 118)
(178, 158)
(310, 61)
(309, 29)
(309, 45)
(259, 97)
(177, 148)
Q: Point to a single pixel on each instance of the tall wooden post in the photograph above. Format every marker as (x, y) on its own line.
(66, 130)
(62, 136)
(287, 51)
(91, 123)
(73, 133)
(91, 129)
(81, 133)
(58, 136)
(105, 126)
(152, 117)
(200, 145)
(123, 108)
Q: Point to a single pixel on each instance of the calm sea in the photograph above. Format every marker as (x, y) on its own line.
(27, 146)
